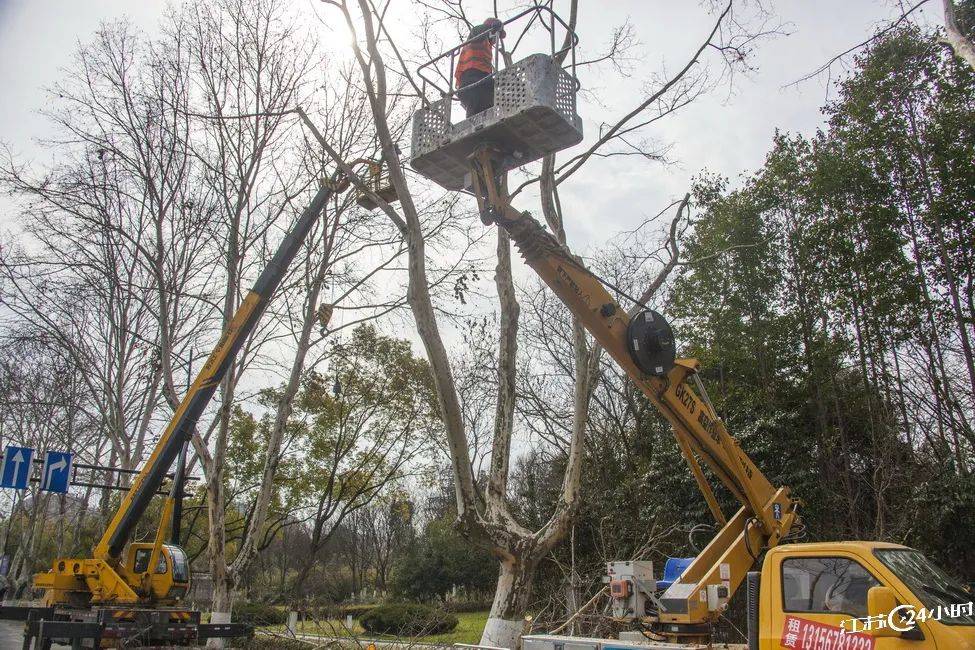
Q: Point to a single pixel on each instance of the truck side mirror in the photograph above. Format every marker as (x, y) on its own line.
(881, 601)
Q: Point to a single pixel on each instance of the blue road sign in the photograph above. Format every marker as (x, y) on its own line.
(15, 471)
(57, 471)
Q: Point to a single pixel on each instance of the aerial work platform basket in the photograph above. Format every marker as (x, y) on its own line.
(379, 184)
(534, 114)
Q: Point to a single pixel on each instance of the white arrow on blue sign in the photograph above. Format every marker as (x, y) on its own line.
(57, 471)
(15, 471)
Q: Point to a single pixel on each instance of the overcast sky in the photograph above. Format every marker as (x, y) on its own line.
(728, 131)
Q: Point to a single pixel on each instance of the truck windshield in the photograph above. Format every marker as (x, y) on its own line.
(180, 569)
(935, 589)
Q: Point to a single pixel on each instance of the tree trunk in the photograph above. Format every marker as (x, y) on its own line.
(222, 604)
(506, 622)
(944, 255)
(299, 582)
(485, 515)
(251, 542)
(216, 507)
(219, 571)
(963, 47)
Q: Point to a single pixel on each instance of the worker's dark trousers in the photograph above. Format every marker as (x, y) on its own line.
(480, 97)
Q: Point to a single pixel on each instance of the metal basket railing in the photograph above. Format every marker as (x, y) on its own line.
(429, 70)
(377, 183)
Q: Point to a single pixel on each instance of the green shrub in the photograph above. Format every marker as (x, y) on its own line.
(258, 614)
(468, 606)
(266, 643)
(407, 619)
(440, 560)
(355, 611)
(341, 611)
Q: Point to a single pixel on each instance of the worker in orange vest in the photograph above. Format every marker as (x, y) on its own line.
(474, 75)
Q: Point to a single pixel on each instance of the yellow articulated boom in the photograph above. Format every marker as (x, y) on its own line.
(643, 346)
(852, 595)
(814, 596)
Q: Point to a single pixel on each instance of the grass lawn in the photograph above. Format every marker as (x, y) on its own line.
(468, 630)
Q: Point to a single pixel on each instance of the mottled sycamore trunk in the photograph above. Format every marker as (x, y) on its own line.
(486, 516)
(506, 622)
(962, 46)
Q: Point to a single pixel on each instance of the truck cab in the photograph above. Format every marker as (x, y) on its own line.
(168, 581)
(860, 596)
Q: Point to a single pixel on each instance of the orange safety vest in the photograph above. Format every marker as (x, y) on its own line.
(474, 56)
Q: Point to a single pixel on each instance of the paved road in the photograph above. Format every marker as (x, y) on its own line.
(12, 636)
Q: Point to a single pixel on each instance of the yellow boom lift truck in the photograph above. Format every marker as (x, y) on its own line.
(849, 595)
(852, 595)
(127, 595)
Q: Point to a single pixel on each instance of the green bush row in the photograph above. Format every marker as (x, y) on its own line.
(338, 611)
(467, 606)
(265, 643)
(407, 619)
(258, 614)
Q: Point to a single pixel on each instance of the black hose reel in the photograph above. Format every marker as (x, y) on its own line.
(650, 341)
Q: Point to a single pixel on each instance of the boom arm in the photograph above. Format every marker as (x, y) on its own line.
(767, 513)
(183, 422)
